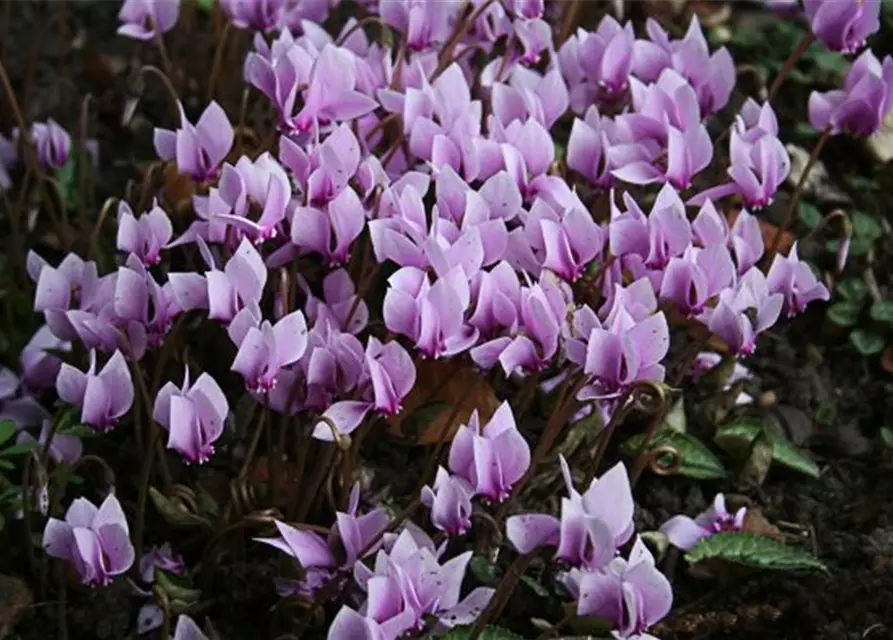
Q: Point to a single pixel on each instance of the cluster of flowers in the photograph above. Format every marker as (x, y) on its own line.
(490, 242)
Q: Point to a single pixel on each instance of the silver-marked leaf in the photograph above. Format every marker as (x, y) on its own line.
(175, 514)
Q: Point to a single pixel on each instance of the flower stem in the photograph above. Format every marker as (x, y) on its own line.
(795, 197)
(503, 592)
(801, 48)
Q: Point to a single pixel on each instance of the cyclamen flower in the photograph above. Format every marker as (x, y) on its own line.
(711, 76)
(340, 306)
(743, 312)
(248, 186)
(632, 594)
(317, 555)
(864, 101)
(493, 458)
(265, 348)
(431, 315)
(796, 282)
(193, 415)
(450, 503)
(592, 525)
(258, 15)
(392, 374)
(64, 448)
(407, 585)
(197, 149)
(103, 397)
(40, 367)
(141, 18)
(597, 65)
(588, 145)
(52, 142)
(843, 25)
(145, 236)
(95, 541)
(332, 230)
(572, 243)
(684, 532)
(693, 279)
(423, 24)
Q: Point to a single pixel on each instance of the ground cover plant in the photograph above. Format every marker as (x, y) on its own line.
(460, 319)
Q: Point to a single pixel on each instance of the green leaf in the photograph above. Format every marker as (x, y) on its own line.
(844, 314)
(866, 342)
(737, 439)
(79, 430)
(177, 587)
(173, 513)
(756, 467)
(18, 449)
(490, 632)
(882, 311)
(852, 289)
(206, 5)
(754, 551)
(483, 570)
(809, 215)
(698, 461)
(6, 465)
(866, 227)
(791, 456)
(7, 430)
(535, 586)
(887, 436)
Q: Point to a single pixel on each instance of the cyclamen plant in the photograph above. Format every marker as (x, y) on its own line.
(406, 167)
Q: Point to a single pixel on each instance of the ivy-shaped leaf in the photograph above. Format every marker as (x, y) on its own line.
(785, 453)
(737, 439)
(844, 314)
(808, 213)
(177, 587)
(887, 436)
(698, 461)
(852, 289)
(867, 343)
(755, 551)
(882, 311)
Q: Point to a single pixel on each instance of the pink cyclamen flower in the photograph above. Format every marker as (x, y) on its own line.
(193, 415)
(392, 374)
(407, 585)
(796, 281)
(40, 366)
(632, 594)
(493, 458)
(64, 449)
(95, 541)
(145, 236)
(103, 397)
(258, 15)
(450, 503)
(265, 348)
(141, 18)
(52, 142)
(592, 525)
(743, 312)
(198, 149)
(861, 105)
(843, 25)
(432, 315)
(684, 532)
(317, 555)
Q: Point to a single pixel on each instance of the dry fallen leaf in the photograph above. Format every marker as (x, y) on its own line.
(441, 387)
(887, 359)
